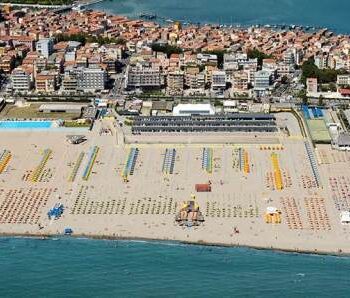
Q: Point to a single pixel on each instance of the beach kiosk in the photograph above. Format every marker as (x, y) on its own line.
(273, 215)
(190, 215)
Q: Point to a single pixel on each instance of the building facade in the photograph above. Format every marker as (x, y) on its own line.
(311, 85)
(92, 79)
(21, 81)
(175, 83)
(142, 77)
(45, 47)
(262, 80)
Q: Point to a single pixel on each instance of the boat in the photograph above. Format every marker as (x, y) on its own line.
(148, 16)
(79, 7)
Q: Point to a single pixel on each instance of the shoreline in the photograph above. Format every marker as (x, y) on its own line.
(163, 21)
(189, 243)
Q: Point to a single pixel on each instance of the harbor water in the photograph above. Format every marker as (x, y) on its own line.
(68, 267)
(318, 13)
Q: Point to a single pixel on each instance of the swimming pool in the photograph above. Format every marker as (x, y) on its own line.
(25, 124)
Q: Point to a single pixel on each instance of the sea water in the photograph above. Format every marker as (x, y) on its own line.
(68, 267)
(321, 13)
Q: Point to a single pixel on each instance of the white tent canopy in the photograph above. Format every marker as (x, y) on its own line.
(271, 210)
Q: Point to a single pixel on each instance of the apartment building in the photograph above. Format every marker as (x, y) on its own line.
(21, 81)
(45, 82)
(240, 81)
(236, 61)
(175, 83)
(262, 81)
(92, 79)
(311, 85)
(45, 47)
(40, 64)
(6, 63)
(288, 57)
(69, 82)
(210, 59)
(218, 81)
(284, 69)
(343, 80)
(143, 76)
(321, 61)
(194, 79)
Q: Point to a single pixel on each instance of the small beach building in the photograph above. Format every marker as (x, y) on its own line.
(345, 217)
(343, 141)
(273, 215)
(193, 109)
(61, 108)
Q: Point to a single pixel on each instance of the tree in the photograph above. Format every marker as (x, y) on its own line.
(219, 54)
(324, 76)
(309, 70)
(284, 79)
(305, 100)
(320, 100)
(80, 37)
(84, 38)
(256, 54)
(303, 97)
(167, 49)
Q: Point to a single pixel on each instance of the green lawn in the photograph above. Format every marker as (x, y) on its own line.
(76, 124)
(319, 131)
(11, 111)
